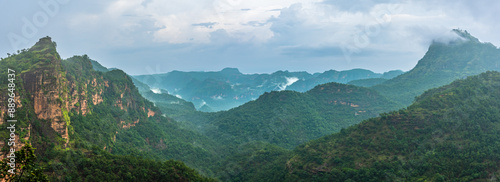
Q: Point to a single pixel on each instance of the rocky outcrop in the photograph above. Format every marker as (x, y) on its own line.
(53, 90)
(45, 87)
(151, 113)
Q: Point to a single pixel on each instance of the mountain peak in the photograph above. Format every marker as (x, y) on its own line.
(231, 71)
(441, 64)
(464, 34)
(44, 43)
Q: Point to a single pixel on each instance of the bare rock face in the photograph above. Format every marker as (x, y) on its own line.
(53, 90)
(46, 88)
(151, 113)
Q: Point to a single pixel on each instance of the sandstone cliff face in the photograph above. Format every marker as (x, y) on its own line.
(54, 89)
(81, 92)
(45, 87)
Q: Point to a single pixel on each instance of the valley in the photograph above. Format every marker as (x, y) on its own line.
(437, 122)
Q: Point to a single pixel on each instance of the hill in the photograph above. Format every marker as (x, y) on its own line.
(367, 82)
(75, 116)
(442, 64)
(449, 134)
(289, 118)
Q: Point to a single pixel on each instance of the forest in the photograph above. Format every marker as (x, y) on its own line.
(80, 121)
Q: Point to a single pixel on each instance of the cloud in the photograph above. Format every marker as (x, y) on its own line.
(255, 36)
(206, 25)
(289, 81)
(156, 90)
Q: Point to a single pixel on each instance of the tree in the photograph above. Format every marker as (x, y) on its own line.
(26, 168)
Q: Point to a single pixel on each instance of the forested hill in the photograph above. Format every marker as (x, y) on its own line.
(449, 134)
(85, 124)
(442, 64)
(289, 118)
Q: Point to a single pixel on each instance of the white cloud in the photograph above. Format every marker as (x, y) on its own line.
(156, 90)
(286, 23)
(289, 81)
(218, 97)
(174, 21)
(213, 34)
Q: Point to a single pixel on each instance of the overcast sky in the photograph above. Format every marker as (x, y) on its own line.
(258, 36)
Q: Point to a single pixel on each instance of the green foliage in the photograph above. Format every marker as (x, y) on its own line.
(442, 64)
(99, 106)
(98, 165)
(96, 66)
(153, 137)
(450, 133)
(367, 82)
(255, 161)
(27, 168)
(289, 118)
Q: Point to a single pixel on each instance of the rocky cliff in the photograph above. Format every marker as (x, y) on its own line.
(49, 90)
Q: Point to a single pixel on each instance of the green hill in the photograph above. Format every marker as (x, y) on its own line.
(442, 64)
(367, 82)
(83, 121)
(289, 118)
(449, 134)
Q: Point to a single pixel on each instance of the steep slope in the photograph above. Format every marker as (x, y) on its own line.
(68, 111)
(449, 134)
(289, 118)
(443, 63)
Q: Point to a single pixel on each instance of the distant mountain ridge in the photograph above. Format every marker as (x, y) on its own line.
(229, 87)
(340, 77)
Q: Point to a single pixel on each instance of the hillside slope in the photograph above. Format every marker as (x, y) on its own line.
(442, 64)
(68, 112)
(449, 134)
(289, 118)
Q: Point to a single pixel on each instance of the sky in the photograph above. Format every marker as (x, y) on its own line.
(258, 36)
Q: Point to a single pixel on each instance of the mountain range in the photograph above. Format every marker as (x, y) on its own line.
(229, 88)
(85, 122)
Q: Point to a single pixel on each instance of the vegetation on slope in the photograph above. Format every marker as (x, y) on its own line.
(450, 134)
(367, 82)
(442, 64)
(289, 118)
(79, 116)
